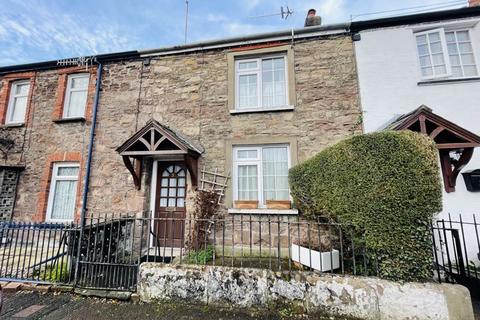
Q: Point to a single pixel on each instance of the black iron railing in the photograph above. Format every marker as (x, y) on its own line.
(107, 253)
(457, 248)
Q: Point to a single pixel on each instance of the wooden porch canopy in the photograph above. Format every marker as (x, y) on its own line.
(455, 143)
(156, 140)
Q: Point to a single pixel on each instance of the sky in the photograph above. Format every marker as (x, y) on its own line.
(41, 30)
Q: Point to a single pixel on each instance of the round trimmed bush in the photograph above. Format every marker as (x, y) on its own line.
(384, 185)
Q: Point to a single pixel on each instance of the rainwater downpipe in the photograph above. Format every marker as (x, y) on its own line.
(83, 213)
(88, 166)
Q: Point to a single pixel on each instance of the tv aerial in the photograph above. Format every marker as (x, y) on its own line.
(284, 13)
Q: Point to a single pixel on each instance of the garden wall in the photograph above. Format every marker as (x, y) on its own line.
(364, 298)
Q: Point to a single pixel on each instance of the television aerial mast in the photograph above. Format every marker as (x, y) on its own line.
(284, 13)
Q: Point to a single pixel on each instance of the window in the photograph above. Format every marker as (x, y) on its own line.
(76, 96)
(17, 104)
(261, 173)
(261, 83)
(445, 53)
(63, 192)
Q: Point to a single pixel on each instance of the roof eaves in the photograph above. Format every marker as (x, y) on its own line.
(433, 16)
(196, 46)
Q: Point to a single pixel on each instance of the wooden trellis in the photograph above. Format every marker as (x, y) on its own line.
(213, 181)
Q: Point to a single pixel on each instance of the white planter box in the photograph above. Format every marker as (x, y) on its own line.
(329, 260)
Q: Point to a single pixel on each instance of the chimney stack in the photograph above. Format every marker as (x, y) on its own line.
(473, 3)
(314, 20)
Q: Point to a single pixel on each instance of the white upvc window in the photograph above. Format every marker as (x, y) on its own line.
(261, 83)
(63, 192)
(446, 54)
(17, 104)
(261, 173)
(76, 95)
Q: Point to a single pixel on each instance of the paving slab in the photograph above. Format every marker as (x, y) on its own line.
(57, 305)
(12, 287)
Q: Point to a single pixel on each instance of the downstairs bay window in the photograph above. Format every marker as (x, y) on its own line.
(260, 173)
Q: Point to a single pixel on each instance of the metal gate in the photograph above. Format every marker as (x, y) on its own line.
(101, 256)
(457, 252)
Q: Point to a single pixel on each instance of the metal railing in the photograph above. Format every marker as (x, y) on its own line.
(457, 249)
(107, 253)
(35, 252)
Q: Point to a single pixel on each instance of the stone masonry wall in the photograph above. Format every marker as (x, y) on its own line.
(347, 296)
(37, 142)
(189, 93)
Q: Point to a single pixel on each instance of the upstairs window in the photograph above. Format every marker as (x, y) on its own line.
(17, 104)
(261, 173)
(76, 96)
(446, 54)
(63, 192)
(261, 83)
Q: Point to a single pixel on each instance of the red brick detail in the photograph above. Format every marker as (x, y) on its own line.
(45, 181)
(7, 81)
(62, 86)
(258, 46)
(473, 3)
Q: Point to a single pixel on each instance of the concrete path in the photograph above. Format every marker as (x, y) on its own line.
(36, 305)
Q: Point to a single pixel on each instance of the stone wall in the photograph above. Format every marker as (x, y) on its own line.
(362, 298)
(189, 93)
(40, 140)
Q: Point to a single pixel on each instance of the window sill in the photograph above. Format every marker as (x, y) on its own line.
(286, 108)
(12, 125)
(262, 211)
(447, 81)
(65, 120)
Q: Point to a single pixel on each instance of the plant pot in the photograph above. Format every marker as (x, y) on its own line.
(246, 204)
(321, 261)
(279, 204)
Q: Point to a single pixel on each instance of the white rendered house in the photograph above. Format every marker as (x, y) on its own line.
(432, 60)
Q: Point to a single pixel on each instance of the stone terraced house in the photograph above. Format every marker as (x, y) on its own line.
(138, 132)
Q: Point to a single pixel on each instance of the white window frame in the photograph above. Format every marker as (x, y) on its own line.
(446, 55)
(258, 161)
(53, 179)
(258, 72)
(459, 53)
(446, 58)
(69, 90)
(11, 101)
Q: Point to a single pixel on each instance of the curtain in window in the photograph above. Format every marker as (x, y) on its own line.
(64, 200)
(19, 108)
(275, 173)
(247, 182)
(247, 91)
(77, 96)
(19, 103)
(78, 100)
(273, 82)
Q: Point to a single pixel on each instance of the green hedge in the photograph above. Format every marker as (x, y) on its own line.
(387, 186)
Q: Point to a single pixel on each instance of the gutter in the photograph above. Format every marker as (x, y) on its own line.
(461, 13)
(308, 32)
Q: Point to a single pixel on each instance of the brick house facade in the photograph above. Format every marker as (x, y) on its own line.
(190, 91)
